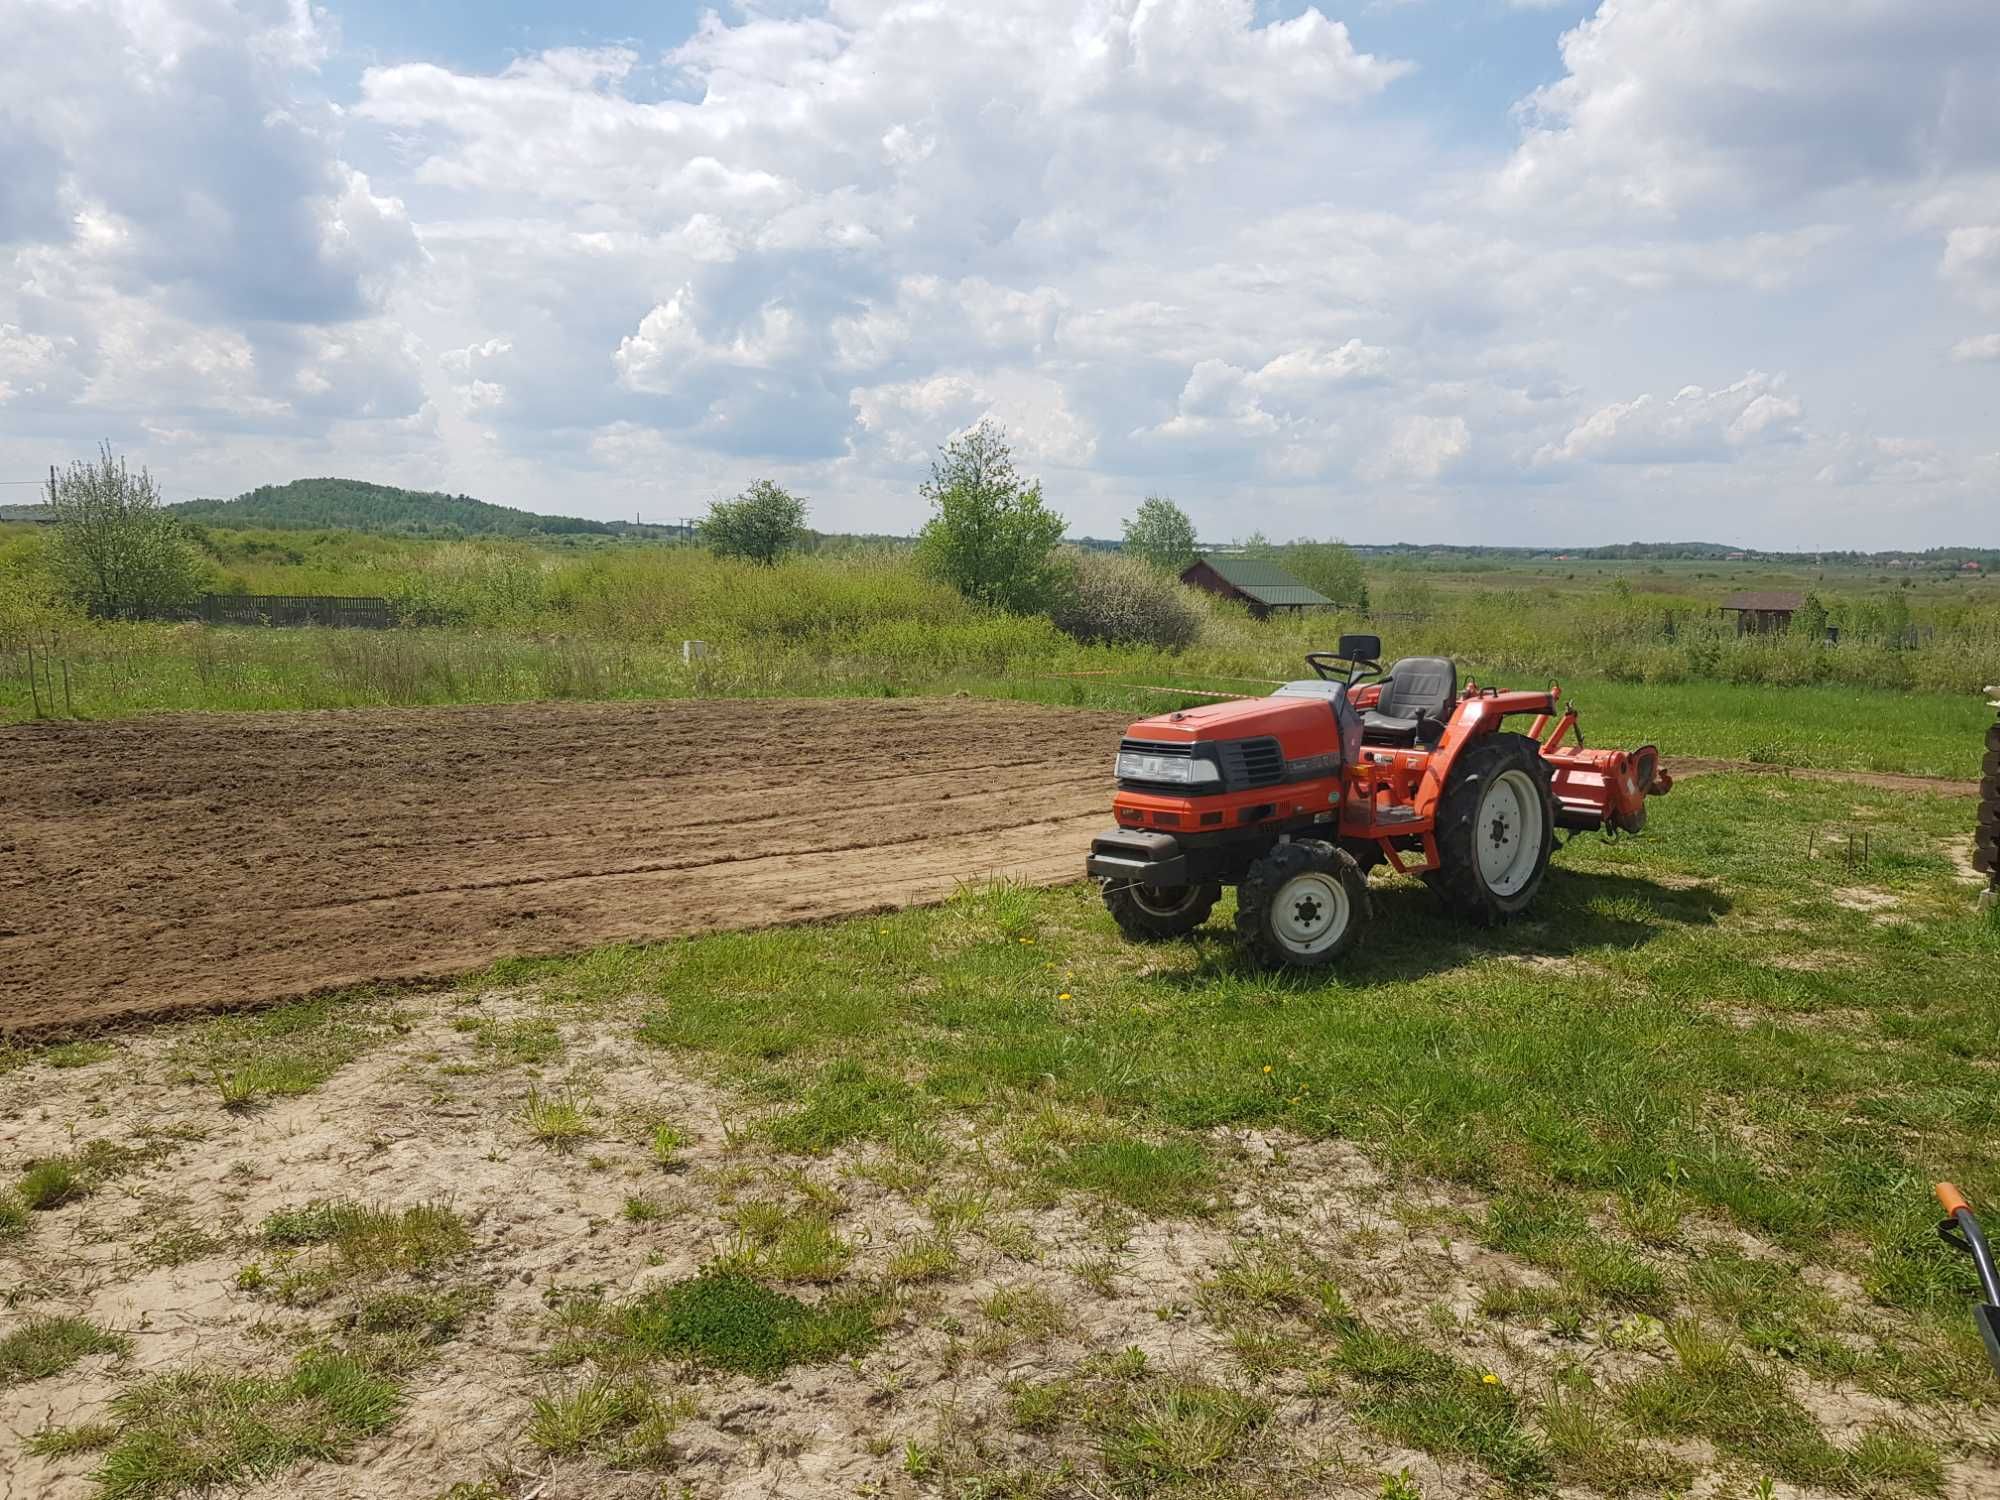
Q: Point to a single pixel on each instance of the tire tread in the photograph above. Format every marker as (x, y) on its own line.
(1457, 880)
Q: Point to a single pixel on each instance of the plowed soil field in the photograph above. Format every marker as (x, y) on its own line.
(186, 861)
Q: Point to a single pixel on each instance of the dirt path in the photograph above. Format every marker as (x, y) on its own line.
(194, 860)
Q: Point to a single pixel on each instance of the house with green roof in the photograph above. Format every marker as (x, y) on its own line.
(1253, 581)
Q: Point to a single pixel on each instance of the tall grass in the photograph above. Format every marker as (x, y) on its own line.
(498, 621)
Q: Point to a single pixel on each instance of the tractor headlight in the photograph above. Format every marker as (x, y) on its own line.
(1172, 770)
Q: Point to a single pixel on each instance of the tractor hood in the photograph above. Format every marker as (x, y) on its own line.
(1307, 718)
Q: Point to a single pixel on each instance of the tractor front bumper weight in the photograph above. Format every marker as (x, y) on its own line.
(1153, 859)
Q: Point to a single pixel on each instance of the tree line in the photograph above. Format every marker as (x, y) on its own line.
(993, 535)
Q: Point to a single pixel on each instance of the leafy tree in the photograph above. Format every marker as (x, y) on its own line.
(1160, 533)
(1330, 567)
(991, 538)
(116, 551)
(1812, 619)
(762, 523)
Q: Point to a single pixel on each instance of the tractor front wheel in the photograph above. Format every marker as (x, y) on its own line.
(1152, 913)
(1302, 904)
(1495, 829)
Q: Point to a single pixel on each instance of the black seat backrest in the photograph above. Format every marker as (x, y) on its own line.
(1419, 687)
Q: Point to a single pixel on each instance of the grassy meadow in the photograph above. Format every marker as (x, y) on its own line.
(1629, 1198)
(1642, 647)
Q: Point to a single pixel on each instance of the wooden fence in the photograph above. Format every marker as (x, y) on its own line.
(296, 609)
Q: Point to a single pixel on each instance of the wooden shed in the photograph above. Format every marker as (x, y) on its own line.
(1763, 611)
(1254, 581)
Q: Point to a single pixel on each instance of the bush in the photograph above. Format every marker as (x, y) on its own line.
(1123, 601)
(116, 551)
(761, 524)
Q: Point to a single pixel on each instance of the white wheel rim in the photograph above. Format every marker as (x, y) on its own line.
(1142, 898)
(1508, 832)
(1310, 912)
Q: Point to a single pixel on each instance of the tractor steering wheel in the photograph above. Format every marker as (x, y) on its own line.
(1327, 667)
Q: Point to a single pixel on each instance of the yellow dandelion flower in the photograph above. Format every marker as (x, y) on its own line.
(1063, 996)
(1267, 1067)
(1489, 1378)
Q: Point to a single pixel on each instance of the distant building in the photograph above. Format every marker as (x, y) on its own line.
(1254, 581)
(1763, 611)
(40, 515)
(1735, 556)
(1969, 567)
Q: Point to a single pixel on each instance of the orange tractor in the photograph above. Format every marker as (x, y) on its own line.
(1294, 798)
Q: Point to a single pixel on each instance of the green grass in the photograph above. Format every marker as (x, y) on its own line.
(556, 1120)
(50, 1184)
(1174, 1435)
(526, 1040)
(728, 1321)
(666, 1143)
(1698, 968)
(1418, 1396)
(624, 1419)
(323, 1247)
(67, 1442)
(14, 1218)
(282, 1052)
(560, 622)
(1712, 1390)
(1178, 1434)
(42, 1347)
(191, 1430)
(1552, 1232)
(77, 1054)
(1692, 1032)
(1174, 1178)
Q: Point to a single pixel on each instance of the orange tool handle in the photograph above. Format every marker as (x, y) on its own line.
(1950, 1198)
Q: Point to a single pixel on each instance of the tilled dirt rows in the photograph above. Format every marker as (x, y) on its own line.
(201, 860)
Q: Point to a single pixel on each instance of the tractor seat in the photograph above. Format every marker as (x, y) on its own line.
(1417, 694)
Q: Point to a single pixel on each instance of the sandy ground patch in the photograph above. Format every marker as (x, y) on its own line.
(431, 1111)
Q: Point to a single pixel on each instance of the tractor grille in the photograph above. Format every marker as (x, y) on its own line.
(1251, 763)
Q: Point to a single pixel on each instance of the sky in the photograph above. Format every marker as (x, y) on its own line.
(1509, 272)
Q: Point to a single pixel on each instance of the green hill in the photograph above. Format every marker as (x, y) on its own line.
(354, 505)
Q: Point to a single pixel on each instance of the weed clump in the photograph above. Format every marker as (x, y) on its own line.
(1713, 1392)
(203, 1428)
(47, 1346)
(1418, 1396)
(329, 1244)
(50, 1184)
(558, 1121)
(1174, 1178)
(729, 1321)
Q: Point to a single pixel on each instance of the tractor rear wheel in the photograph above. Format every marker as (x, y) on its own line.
(1495, 829)
(1153, 913)
(1302, 904)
